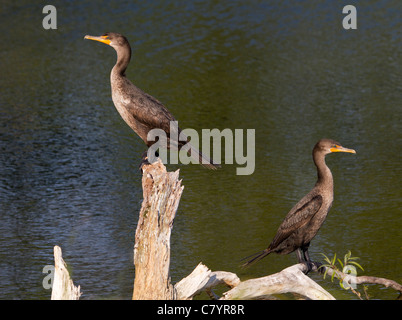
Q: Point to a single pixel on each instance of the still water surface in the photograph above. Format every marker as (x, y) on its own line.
(69, 164)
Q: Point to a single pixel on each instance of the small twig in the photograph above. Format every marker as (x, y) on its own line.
(318, 267)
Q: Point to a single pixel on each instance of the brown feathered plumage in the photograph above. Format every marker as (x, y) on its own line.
(141, 111)
(304, 220)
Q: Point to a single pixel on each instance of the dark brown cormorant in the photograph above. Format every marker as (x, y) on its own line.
(139, 110)
(302, 223)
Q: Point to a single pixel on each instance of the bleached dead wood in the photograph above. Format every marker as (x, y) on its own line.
(161, 192)
(62, 286)
(376, 280)
(291, 279)
(203, 279)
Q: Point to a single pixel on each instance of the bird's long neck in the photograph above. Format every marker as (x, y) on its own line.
(123, 59)
(324, 173)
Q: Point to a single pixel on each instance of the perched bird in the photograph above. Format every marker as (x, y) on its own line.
(139, 110)
(304, 220)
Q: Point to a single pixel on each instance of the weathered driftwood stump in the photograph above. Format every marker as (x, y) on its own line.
(162, 191)
(62, 286)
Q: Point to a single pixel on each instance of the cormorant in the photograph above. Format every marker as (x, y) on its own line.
(304, 220)
(141, 111)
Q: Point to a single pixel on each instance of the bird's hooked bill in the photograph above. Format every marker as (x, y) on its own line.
(103, 39)
(341, 149)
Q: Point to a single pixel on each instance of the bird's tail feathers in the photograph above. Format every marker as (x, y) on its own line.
(255, 258)
(203, 160)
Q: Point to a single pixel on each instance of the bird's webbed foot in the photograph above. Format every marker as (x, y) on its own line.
(303, 257)
(309, 266)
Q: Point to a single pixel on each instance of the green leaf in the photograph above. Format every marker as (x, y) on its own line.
(332, 277)
(326, 259)
(325, 273)
(340, 262)
(354, 258)
(356, 264)
(341, 284)
(333, 260)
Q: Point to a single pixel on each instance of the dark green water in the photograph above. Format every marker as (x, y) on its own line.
(69, 164)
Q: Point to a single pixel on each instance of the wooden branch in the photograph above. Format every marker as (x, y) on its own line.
(375, 280)
(162, 192)
(62, 286)
(291, 279)
(351, 279)
(203, 279)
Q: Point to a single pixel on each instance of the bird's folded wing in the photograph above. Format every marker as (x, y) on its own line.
(299, 216)
(148, 110)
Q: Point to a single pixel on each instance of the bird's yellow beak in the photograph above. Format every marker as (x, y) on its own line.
(103, 39)
(341, 149)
